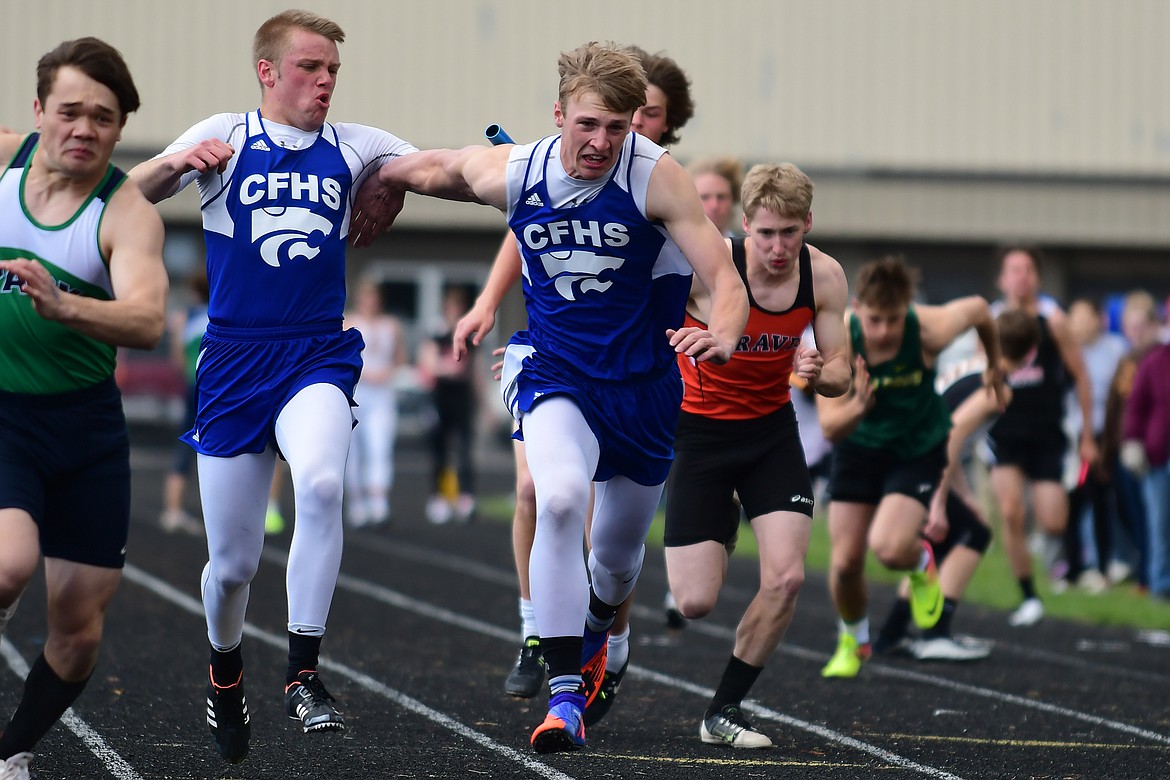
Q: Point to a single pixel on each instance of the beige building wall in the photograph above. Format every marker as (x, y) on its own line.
(962, 120)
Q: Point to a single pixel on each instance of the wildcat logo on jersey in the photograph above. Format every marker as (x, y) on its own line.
(286, 233)
(575, 271)
(574, 231)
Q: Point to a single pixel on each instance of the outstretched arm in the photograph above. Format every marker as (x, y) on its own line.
(479, 321)
(159, 178)
(673, 199)
(942, 324)
(474, 173)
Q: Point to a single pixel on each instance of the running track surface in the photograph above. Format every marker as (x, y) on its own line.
(424, 627)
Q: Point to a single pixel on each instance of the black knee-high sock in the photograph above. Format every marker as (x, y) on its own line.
(600, 613)
(1028, 587)
(943, 627)
(303, 654)
(897, 623)
(738, 679)
(46, 697)
(227, 666)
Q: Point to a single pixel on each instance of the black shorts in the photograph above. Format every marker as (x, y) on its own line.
(1039, 454)
(65, 459)
(864, 476)
(761, 460)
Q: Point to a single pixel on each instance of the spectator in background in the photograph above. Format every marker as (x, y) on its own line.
(1027, 443)
(1145, 450)
(1088, 542)
(453, 388)
(186, 333)
(718, 181)
(1140, 324)
(369, 472)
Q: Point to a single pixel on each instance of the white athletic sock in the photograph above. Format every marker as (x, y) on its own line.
(858, 630)
(619, 650)
(527, 620)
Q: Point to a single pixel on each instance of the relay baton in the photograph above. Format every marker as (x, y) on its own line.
(497, 135)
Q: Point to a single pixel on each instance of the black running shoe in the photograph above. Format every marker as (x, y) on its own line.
(599, 707)
(306, 700)
(227, 717)
(527, 676)
(894, 643)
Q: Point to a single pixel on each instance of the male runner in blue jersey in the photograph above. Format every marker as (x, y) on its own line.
(667, 109)
(81, 274)
(610, 228)
(277, 372)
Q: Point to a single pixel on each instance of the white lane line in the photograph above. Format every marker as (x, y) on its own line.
(431, 611)
(497, 575)
(113, 762)
(177, 597)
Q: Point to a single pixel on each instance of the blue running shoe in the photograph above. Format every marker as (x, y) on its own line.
(562, 730)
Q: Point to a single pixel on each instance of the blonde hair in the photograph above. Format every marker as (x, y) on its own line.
(781, 188)
(614, 75)
(728, 168)
(272, 39)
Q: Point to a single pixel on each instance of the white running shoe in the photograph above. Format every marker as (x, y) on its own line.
(439, 510)
(729, 727)
(1027, 614)
(944, 648)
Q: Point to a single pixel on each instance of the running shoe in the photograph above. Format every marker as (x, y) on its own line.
(306, 700)
(16, 767)
(730, 727)
(847, 660)
(945, 648)
(599, 707)
(228, 719)
(527, 675)
(562, 729)
(594, 651)
(1027, 614)
(926, 596)
(893, 644)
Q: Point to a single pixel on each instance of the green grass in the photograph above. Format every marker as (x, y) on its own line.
(993, 584)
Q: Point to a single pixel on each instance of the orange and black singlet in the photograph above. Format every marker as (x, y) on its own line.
(755, 382)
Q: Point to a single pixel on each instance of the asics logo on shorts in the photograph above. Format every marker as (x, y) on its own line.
(285, 233)
(799, 499)
(576, 271)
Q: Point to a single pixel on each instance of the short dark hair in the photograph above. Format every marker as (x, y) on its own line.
(1031, 251)
(886, 283)
(1019, 333)
(664, 73)
(96, 59)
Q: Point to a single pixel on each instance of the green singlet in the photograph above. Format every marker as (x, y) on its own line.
(909, 417)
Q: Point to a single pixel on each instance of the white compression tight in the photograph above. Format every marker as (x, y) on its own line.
(562, 456)
(313, 432)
